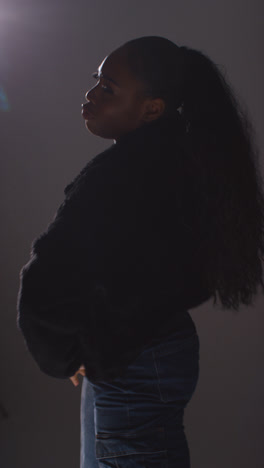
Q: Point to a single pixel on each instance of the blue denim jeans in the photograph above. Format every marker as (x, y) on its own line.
(136, 421)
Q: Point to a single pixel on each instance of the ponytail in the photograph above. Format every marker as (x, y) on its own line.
(222, 164)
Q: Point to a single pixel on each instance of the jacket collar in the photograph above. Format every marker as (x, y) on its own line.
(145, 140)
(157, 130)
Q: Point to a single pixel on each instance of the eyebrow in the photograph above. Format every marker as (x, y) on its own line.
(108, 78)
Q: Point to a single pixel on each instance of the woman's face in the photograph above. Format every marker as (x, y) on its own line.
(116, 105)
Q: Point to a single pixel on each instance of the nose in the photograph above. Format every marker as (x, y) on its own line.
(89, 95)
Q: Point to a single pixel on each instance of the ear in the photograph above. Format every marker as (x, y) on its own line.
(153, 109)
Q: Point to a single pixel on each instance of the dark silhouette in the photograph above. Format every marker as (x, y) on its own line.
(169, 216)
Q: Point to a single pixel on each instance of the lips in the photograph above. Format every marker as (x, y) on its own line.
(87, 113)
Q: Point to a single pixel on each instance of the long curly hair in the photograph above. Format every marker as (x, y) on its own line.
(222, 163)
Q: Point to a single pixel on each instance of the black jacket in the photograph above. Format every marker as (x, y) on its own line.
(116, 267)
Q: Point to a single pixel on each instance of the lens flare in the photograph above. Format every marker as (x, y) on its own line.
(4, 104)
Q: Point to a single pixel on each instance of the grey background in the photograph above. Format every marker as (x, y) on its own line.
(48, 51)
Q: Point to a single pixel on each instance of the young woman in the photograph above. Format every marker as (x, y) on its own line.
(167, 217)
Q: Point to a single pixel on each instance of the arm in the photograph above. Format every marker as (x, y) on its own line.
(53, 298)
(61, 310)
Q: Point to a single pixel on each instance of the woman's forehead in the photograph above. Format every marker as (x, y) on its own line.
(115, 65)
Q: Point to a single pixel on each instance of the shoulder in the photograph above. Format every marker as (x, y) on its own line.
(95, 162)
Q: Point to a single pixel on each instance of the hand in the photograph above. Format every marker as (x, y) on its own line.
(74, 378)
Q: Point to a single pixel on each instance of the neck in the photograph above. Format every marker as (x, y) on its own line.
(170, 126)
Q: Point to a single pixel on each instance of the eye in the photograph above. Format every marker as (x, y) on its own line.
(105, 88)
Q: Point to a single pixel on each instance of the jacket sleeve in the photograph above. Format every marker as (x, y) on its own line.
(54, 296)
(54, 345)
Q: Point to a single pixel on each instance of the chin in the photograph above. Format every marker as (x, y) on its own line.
(97, 131)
